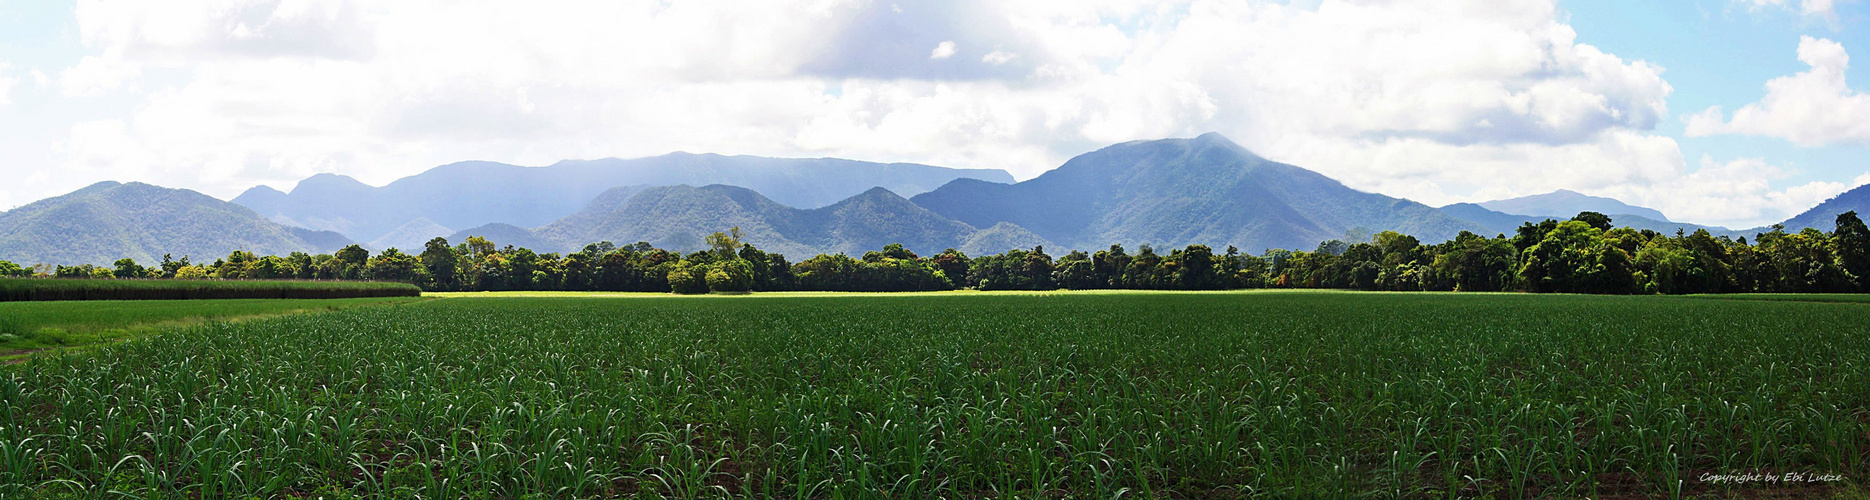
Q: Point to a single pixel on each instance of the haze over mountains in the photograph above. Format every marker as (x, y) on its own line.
(1165, 193)
(1168, 193)
(469, 194)
(679, 217)
(1505, 216)
(1567, 203)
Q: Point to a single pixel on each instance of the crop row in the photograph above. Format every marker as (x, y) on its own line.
(1146, 395)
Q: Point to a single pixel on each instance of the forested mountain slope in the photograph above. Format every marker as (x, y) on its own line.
(680, 217)
(1176, 192)
(471, 194)
(1824, 216)
(108, 221)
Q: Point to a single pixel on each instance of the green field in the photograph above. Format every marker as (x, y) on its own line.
(1080, 395)
(49, 289)
(28, 326)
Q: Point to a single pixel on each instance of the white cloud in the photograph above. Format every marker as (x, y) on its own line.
(1738, 194)
(95, 76)
(1435, 100)
(6, 84)
(1812, 108)
(1820, 8)
(943, 50)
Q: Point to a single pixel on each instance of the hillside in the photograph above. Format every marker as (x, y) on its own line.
(507, 234)
(1564, 204)
(108, 221)
(681, 217)
(1825, 215)
(1176, 192)
(472, 194)
(412, 235)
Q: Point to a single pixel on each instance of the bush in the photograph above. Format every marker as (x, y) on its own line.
(730, 276)
(688, 279)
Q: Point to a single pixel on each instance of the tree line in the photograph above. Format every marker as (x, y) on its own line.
(1585, 254)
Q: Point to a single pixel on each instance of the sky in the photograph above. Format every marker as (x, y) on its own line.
(1724, 112)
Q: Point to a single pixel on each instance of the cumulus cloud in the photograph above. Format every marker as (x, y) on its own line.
(1739, 193)
(1811, 108)
(942, 50)
(1436, 100)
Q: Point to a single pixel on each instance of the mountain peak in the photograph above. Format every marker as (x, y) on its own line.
(1214, 140)
(876, 196)
(100, 186)
(879, 191)
(329, 181)
(1175, 192)
(262, 190)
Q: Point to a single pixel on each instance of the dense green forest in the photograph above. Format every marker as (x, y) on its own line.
(1585, 254)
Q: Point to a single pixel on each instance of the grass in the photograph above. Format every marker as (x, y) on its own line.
(1856, 298)
(43, 289)
(43, 325)
(1287, 394)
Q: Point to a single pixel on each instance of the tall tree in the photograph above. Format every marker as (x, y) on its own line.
(1195, 268)
(725, 244)
(953, 265)
(354, 259)
(1597, 220)
(394, 265)
(127, 268)
(1852, 242)
(441, 261)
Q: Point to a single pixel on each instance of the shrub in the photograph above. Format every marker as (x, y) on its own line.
(685, 278)
(730, 276)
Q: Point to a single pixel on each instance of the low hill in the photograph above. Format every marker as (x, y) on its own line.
(108, 221)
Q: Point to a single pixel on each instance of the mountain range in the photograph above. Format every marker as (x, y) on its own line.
(108, 221)
(470, 194)
(1176, 192)
(1167, 193)
(680, 217)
